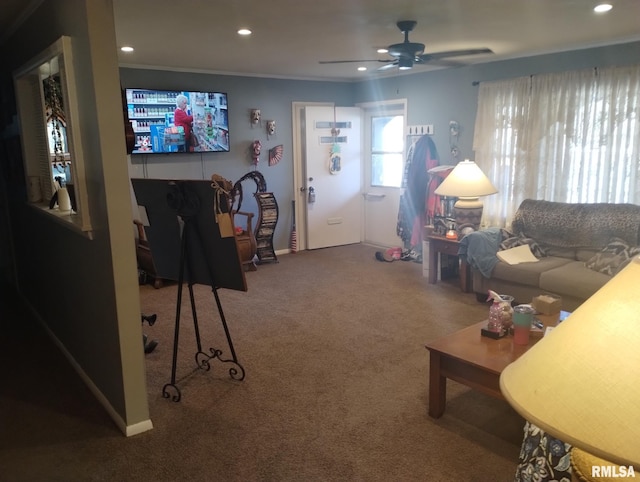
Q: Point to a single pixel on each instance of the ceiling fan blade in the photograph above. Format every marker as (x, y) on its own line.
(439, 62)
(454, 53)
(389, 65)
(349, 61)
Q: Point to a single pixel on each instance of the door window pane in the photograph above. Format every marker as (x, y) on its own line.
(387, 147)
(386, 170)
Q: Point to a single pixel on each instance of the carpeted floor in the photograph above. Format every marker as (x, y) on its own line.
(332, 344)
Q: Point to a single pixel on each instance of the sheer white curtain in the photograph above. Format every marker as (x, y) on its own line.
(571, 137)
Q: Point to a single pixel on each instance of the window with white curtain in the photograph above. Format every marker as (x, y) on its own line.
(568, 137)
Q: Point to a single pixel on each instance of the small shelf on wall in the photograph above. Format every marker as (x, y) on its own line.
(56, 60)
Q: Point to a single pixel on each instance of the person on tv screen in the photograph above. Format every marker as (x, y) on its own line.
(182, 118)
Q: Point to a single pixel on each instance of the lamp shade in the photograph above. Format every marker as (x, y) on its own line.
(466, 180)
(581, 382)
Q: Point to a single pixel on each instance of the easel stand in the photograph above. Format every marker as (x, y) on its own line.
(191, 233)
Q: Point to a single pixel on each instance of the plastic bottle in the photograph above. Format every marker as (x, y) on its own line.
(495, 317)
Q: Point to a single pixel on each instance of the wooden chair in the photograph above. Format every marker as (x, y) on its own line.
(247, 246)
(143, 254)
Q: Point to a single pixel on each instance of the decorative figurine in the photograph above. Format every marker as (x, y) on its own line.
(271, 128)
(255, 116)
(256, 146)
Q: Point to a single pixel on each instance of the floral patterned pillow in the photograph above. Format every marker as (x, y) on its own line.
(613, 257)
(542, 457)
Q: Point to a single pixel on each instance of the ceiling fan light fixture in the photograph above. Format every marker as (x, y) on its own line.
(406, 54)
(405, 64)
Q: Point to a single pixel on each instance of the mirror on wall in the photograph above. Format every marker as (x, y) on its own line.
(48, 110)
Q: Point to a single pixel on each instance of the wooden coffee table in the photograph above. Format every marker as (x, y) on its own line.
(471, 359)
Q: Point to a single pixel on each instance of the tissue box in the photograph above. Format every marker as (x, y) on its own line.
(547, 304)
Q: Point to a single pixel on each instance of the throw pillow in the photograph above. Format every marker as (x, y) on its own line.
(514, 241)
(613, 257)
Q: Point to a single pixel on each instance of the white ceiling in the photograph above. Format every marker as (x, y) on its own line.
(290, 37)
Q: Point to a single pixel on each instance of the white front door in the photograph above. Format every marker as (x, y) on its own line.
(333, 173)
(384, 160)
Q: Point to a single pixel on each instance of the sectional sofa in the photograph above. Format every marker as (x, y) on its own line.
(579, 248)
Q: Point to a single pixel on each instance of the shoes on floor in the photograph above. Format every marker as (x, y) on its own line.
(389, 255)
(149, 347)
(151, 319)
(411, 255)
(384, 256)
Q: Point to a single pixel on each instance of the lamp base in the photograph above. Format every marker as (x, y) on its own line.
(468, 214)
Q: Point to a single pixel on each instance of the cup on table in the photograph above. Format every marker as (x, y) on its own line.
(522, 321)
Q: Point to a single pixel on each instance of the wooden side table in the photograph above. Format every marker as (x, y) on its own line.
(439, 244)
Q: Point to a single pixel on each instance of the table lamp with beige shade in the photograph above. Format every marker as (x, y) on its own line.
(466, 182)
(581, 382)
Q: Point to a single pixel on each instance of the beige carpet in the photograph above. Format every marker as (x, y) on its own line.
(332, 344)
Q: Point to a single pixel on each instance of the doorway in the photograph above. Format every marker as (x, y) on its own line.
(379, 201)
(383, 168)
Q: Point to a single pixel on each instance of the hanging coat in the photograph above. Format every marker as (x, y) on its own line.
(418, 202)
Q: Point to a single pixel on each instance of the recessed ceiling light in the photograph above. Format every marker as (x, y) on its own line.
(603, 7)
(362, 69)
(382, 51)
(244, 31)
(126, 48)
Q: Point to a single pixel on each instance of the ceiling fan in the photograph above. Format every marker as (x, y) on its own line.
(407, 53)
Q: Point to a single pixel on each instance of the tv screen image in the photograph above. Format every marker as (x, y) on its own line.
(161, 126)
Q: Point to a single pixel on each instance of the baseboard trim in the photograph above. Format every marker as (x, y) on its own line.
(127, 430)
(137, 428)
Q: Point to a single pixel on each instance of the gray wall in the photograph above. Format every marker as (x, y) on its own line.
(85, 290)
(434, 97)
(437, 97)
(273, 97)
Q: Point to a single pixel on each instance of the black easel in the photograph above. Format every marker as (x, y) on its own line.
(205, 257)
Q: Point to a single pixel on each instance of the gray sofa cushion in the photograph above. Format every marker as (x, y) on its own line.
(527, 273)
(573, 279)
(569, 253)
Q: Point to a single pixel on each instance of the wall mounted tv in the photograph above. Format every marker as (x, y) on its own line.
(203, 126)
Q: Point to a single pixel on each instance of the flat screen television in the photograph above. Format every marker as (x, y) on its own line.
(152, 114)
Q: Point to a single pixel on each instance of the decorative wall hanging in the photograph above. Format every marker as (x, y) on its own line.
(275, 154)
(256, 146)
(255, 116)
(271, 128)
(454, 134)
(335, 165)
